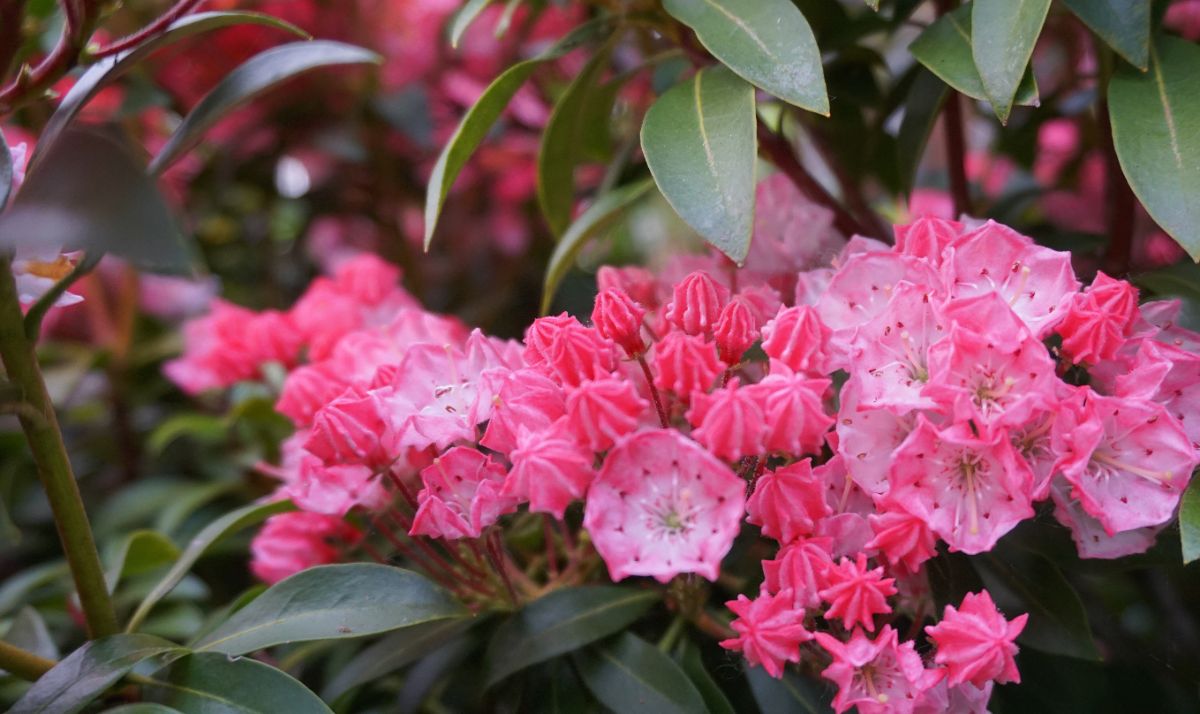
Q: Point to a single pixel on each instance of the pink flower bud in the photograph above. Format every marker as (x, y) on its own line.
(685, 363)
(617, 317)
(736, 330)
(697, 303)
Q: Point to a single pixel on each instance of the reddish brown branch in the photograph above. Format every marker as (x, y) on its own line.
(956, 154)
(178, 10)
(1119, 203)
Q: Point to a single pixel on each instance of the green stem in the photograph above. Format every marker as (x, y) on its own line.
(23, 664)
(672, 634)
(53, 465)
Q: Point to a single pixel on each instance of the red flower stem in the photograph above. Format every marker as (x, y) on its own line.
(493, 551)
(658, 405)
(374, 553)
(164, 20)
(403, 489)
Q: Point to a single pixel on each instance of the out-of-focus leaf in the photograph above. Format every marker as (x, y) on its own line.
(628, 675)
(140, 552)
(6, 172)
(921, 110)
(333, 602)
(945, 48)
(142, 708)
(1181, 280)
(562, 143)
(88, 671)
(422, 678)
(1189, 522)
(205, 428)
(111, 68)
(17, 588)
(700, 144)
(209, 682)
(560, 622)
(598, 217)
(1002, 38)
(89, 192)
(1123, 24)
(766, 42)
(693, 667)
(250, 79)
(791, 693)
(29, 632)
(506, 18)
(466, 15)
(392, 652)
(559, 690)
(212, 533)
(1156, 132)
(188, 499)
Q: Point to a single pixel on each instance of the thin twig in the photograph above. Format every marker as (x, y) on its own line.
(164, 21)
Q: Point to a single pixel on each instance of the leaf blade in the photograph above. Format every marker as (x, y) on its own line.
(204, 682)
(1123, 24)
(1003, 33)
(1189, 522)
(629, 675)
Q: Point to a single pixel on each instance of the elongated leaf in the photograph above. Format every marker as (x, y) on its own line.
(562, 143)
(921, 109)
(766, 42)
(560, 622)
(19, 588)
(142, 708)
(598, 217)
(88, 671)
(333, 602)
(1002, 38)
(214, 532)
(89, 192)
(945, 49)
(140, 552)
(789, 694)
(1123, 24)
(693, 666)
(394, 651)
(628, 675)
(29, 632)
(480, 118)
(208, 682)
(700, 144)
(1189, 522)
(466, 15)
(6, 172)
(250, 79)
(109, 69)
(1156, 132)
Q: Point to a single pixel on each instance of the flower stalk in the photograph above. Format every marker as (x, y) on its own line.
(22, 663)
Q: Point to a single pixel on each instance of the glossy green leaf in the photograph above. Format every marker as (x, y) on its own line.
(6, 172)
(109, 69)
(693, 666)
(19, 587)
(396, 650)
(138, 553)
(484, 113)
(1123, 24)
(1189, 522)
(1027, 582)
(629, 675)
(921, 110)
(562, 143)
(598, 217)
(562, 621)
(945, 49)
(210, 682)
(90, 670)
(1002, 38)
(558, 689)
(466, 15)
(256, 75)
(333, 602)
(766, 42)
(700, 144)
(790, 694)
(214, 532)
(142, 708)
(1156, 132)
(28, 631)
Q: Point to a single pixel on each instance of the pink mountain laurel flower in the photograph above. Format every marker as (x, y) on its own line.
(661, 505)
(788, 502)
(461, 496)
(903, 539)
(617, 317)
(801, 567)
(1098, 320)
(697, 303)
(291, 542)
(684, 364)
(540, 334)
(736, 330)
(347, 430)
(600, 412)
(891, 351)
(877, 677)
(728, 422)
(856, 594)
(798, 338)
(927, 237)
(976, 643)
(794, 418)
(305, 390)
(549, 470)
(577, 353)
(526, 400)
(770, 630)
(969, 489)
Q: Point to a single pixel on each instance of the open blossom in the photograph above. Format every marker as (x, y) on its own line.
(697, 303)
(976, 643)
(878, 676)
(728, 422)
(231, 344)
(684, 364)
(769, 629)
(802, 568)
(891, 351)
(291, 542)
(461, 495)
(788, 502)
(600, 412)
(661, 505)
(526, 400)
(856, 594)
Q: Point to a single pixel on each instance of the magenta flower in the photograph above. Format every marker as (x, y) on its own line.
(788, 502)
(728, 422)
(461, 495)
(802, 568)
(291, 542)
(525, 400)
(902, 538)
(770, 630)
(618, 317)
(856, 594)
(684, 364)
(797, 338)
(793, 410)
(600, 412)
(549, 469)
(736, 330)
(697, 303)
(927, 237)
(975, 642)
(878, 677)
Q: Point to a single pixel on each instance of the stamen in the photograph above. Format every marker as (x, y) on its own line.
(1156, 476)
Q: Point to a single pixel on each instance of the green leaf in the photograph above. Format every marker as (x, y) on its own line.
(628, 675)
(205, 428)
(224, 526)
(1189, 522)
(333, 602)
(1028, 582)
(1123, 24)
(700, 144)
(562, 143)
(790, 693)
(109, 69)
(766, 42)
(1156, 132)
(1002, 38)
(392, 652)
(88, 671)
(18, 588)
(209, 682)
(188, 500)
(945, 49)
(28, 631)
(140, 552)
(1180, 280)
(463, 19)
(256, 75)
(598, 217)
(142, 708)
(693, 667)
(560, 622)
(480, 118)
(921, 109)
(89, 192)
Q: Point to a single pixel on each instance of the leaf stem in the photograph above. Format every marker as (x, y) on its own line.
(23, 663)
